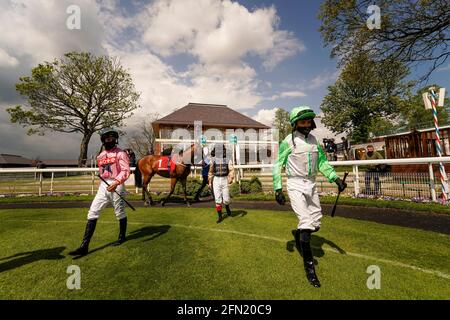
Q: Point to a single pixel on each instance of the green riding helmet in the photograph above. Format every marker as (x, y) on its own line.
(301, 113)
(107, 132)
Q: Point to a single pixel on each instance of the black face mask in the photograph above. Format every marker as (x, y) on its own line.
(370, 153)
(304, 130)
(109, 145)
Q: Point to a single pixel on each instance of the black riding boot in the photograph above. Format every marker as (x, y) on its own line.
(219, 217)
(297, 239)
(122, 232)
(308, 262)
(227, 207)
(84, 247)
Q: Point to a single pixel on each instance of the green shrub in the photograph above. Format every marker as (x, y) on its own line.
(234, 189)
(255, 185)
(192, 186)
(245, 186)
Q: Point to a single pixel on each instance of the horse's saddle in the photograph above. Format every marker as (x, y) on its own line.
(166, 163)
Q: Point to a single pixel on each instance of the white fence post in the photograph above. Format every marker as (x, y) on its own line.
(432, 186)
(93, 182)
(356, 179)
(40, 184)
(51, 183)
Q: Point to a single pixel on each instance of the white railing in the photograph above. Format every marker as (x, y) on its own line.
(357, 163)
(408, 184)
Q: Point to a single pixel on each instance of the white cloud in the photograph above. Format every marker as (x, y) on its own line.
(322, 132)
(218, 35)
(287, 94)
(6, 60)
(322, 79)
(37, 29)
(168, 29)
(285, 46)
(265, 116)
(216, 31)
(292, 94)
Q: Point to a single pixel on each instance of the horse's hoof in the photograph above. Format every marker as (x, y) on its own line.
(188, 204)
(146, 204)
(162, 204)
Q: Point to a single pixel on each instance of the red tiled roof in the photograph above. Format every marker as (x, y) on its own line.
(214, 115)
(56, 162)
(14, 159)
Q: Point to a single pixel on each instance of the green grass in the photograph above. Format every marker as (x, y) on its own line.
(179, 253)
(345, 200)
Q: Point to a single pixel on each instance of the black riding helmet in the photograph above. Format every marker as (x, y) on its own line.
(108, 132)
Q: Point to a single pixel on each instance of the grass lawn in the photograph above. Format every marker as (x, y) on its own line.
(180, 253)
(345, 200)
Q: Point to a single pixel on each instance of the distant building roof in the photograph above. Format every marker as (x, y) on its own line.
(12, 159)
(213, 115)
(60, 163)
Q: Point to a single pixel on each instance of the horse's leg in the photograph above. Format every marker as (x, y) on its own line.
(173, 182)
(183, 183)
(143, 190)
(152, 203)
(145, 182)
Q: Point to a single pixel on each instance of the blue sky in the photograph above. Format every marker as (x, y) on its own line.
(252, 55)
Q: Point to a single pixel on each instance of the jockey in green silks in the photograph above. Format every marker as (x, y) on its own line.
(302, 156)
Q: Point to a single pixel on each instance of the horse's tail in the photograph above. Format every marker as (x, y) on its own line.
(138, 176)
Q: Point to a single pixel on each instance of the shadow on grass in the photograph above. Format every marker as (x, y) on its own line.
(317, 243)
(24, 258)
(235, 213)
(241, 213)
(152, 232)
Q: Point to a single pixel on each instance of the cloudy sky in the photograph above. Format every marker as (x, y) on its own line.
(253, 56)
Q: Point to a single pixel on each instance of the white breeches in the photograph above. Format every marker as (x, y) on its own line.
(221, 191)
(305, 202)
(103, 197)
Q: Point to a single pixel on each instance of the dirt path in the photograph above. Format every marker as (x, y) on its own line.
(404, 218)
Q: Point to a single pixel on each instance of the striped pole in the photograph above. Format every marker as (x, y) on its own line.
(444, 181)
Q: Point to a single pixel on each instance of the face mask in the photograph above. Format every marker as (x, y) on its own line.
(304, 130)
(109, 145)
(370, 153)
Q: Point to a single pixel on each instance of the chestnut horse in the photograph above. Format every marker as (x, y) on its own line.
(148, 166)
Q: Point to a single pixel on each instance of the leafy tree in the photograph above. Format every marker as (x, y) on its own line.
(410, 32)
(79, 93)
(281, 122)
(143, 142)
(414, 115)
(364, 92)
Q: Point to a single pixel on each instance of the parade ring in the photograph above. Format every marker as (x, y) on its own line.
(175, 252)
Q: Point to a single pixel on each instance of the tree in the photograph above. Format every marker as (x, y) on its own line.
(413, 114)
(410, 32)
(78, 93)
(364, 92)
(281, 122)
(143, 142)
